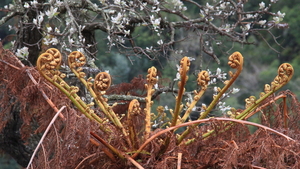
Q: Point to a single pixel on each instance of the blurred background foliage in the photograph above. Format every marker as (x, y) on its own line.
(261, 59)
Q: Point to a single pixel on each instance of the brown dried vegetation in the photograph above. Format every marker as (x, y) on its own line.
(72, 141)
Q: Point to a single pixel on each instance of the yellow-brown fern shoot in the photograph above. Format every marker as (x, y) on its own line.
(202, 80)
(285, 73)
(236, 61)
(151, 81)
(184, 68)
(47, 65)
(133, 110)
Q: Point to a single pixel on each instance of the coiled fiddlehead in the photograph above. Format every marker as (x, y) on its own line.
(101, 84)
(202, 80)
(285, 73)
(235, 61)
(151, 81)
(47, 64)
(102, 81)
(133, 110)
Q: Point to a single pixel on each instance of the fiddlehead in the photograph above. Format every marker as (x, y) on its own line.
(76, 60)
(102, 82)
(285, 73)
(235, 61)
(202, 80)
(133, 110)
(151, 81)
(184, 68)
(47, 64)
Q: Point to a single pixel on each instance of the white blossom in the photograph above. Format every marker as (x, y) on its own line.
(71, 41)
(49, 29)
(148, 49)
(80, 50)
(160, 42)
(72, 30)
(261, 5)
(235, 90)
(246, 27)
(223, 108)
(280, 15)
(127, 32)
(54, 41)
(216, 89)
(10, 27)
(249, 16)
(117, 2)
(39, 20)
(121, 40)
(262, 22)
(117, 19)
(156, 86)
(26, 5)
(58, 3)
(13, 43)
(46, 41)
(57, 30)
(166, 107)
(23, 53)
(155, 2)
(191, 58)
(51, 12)
(223, 5)
(11, 6)
(276, 19)
(155, 9)
(33, 3)
(178, 4)
(177, 76)
(210, 7)
(218, 72)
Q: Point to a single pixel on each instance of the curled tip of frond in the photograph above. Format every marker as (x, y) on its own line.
(102, 81)
(134, 107)
(151, 77)
(184, 65)
(76, 59)
(203, 78)
(49, 60)
(160, 109)
(267, 88)
(55, 52)
(250, 101)
(235, 60)
(285, 71)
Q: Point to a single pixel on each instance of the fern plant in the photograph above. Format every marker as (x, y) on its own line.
(135, 141)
